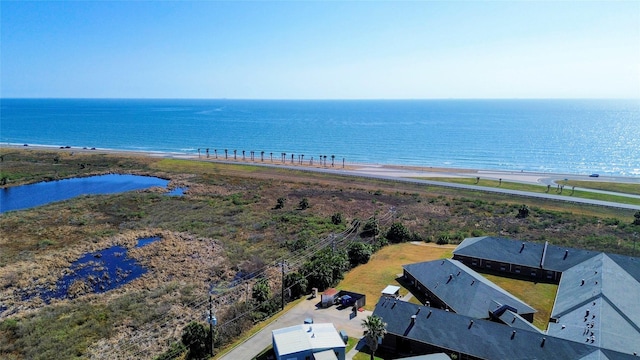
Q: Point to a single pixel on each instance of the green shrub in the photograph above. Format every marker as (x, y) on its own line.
(398, 233)
(443, 239)
(336, 218)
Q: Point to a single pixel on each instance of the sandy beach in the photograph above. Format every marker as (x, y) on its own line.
(351, 168)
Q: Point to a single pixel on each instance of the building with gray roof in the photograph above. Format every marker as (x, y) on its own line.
(598, 302)
(415, 329)
(538, 261)
(596, 314)
(450, 284)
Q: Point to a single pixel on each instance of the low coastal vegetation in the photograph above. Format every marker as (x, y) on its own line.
(229, 237)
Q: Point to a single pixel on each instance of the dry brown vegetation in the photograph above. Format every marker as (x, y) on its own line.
(225, 223)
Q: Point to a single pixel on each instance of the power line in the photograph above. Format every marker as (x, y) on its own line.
(296, 259)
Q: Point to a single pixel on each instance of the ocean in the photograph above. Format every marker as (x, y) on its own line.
(556, 136)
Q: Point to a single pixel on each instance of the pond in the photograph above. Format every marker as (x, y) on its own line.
(98, 272)
(177, 191)
(42, 193)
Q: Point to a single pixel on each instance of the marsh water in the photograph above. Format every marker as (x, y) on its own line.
(98, 272)
(42, 193)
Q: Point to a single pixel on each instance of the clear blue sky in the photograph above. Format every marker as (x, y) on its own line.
(321, 50)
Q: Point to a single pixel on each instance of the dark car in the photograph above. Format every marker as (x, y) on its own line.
(594, 175)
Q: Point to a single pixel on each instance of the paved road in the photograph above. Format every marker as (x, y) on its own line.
(295, 316)
(412, 175)
(550, 196)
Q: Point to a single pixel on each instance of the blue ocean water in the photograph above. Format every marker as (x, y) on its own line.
(562, 136)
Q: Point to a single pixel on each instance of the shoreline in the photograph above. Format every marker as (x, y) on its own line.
(383, 170)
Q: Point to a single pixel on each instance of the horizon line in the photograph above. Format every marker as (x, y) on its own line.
(317, 99)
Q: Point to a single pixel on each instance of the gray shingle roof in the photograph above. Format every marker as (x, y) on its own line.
(516, 321)
(598, 301)
(513, 252)
(464, 290)
(482, 338)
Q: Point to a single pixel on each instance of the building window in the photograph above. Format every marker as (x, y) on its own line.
(488, 264)
(518, 269)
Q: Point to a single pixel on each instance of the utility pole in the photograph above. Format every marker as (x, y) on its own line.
(375, 227)
(282, 293)
(333, 243)
(211, 323)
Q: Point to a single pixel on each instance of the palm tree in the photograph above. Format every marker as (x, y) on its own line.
(215, 151)
(375, 329)
(198, 153)
(333, 157)
(325, 160)
(235, 152)
(207, 153)
(225, 154)
(262, 156)
(301, 159)
(243, 155)
(292, 158)
(271, 155)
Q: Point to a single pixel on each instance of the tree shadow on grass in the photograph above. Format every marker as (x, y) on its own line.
(364, 353)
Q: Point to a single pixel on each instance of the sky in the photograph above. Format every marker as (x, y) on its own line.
(320, 50)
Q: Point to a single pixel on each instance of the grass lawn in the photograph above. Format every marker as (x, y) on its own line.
(351, 343)
(624, 188)
(540, 296)
(385, 266)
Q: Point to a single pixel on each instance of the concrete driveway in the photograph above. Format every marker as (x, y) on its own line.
(341, 319)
